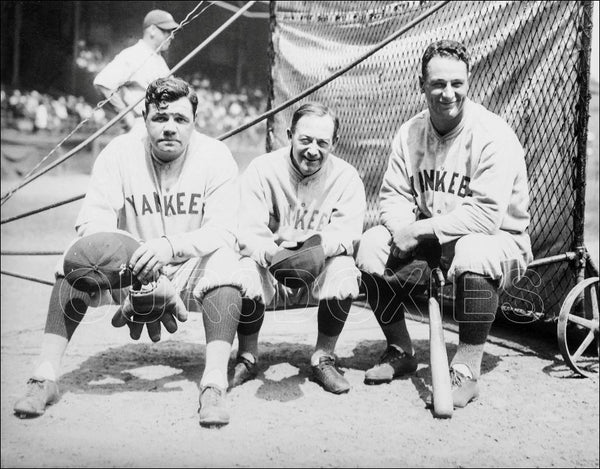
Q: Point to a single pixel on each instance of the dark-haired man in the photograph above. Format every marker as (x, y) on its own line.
(288, 196)
(174, 190)
(456, 177)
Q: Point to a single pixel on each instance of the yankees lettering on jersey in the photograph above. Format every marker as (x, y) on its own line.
(198, 213)
(441, 181)
(472, 179)
(279, 204)
(300, 218)
(180, 203)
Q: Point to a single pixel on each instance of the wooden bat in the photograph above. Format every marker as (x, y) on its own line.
(438, 363)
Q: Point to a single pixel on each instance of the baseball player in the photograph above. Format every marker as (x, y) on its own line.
(135, 67)
(175, 190)
(287, 196)
(456, 177)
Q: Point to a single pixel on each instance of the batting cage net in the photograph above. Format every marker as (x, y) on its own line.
(530, 64)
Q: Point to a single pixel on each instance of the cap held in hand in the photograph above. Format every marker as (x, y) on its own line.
(100, 261)
(300, 266)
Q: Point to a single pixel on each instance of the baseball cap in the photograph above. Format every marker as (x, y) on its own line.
(160, 18)
(100, 261)
(300, 266)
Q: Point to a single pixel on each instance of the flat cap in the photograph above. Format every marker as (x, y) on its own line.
(160, 18)
(300, 266)
(100, 261)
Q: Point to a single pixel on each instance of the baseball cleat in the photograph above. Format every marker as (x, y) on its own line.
(212, 411)
(329, 376)
(244, 370)
(464, 390)
(40, 393)
(392, 364)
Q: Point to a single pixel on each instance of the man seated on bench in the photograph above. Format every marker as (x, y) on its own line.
(300, 195)
(456, 177)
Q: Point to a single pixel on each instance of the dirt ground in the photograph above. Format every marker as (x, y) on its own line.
(126, 403)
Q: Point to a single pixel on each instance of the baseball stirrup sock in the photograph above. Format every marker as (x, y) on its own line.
(221, 308)
(386, 304)
(66, 309)
(251, 318)
(475, 309)
(332, 315)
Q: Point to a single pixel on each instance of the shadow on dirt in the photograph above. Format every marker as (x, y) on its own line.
(159, 367)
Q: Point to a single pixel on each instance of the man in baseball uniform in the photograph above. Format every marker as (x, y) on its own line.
(173, 189)
(288, 196)
(135, 67)
(456, 177)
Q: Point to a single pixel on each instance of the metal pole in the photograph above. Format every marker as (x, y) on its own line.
(16, 76)
(583, 106)
(26, 277)
(271, 95)
(42, 209)
(31, 253)
(76, 21)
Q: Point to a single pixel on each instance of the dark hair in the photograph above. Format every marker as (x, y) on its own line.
(444, 48)
(167, 90)
(319, 110)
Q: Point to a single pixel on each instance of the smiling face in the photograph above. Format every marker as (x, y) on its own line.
(312, 141)
(170, 126)
(445, 85)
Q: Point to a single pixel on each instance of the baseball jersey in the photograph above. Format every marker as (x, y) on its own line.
(197, 212)
(135, 67)
(471, 180)
(280, 204)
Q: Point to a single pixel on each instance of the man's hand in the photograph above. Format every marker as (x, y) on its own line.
(405, 240)
(147, 261)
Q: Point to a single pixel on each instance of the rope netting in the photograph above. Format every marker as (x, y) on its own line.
(530, 64)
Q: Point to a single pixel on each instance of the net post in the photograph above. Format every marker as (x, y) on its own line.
(271, 94)
(585, 35)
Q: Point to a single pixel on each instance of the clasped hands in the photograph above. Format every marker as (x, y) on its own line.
(405, 240)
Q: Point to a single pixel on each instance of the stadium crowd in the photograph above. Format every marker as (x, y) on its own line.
(220, 109)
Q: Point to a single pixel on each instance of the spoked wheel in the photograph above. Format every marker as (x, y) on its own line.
(583, 298)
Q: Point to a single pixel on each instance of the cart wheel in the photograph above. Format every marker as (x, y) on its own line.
(586, 291)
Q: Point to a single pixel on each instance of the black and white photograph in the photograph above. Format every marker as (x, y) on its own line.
(299, 234)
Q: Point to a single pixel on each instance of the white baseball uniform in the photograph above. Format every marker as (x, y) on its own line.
(135, 67)
(471, 181)
(279, 204)
(196, 213)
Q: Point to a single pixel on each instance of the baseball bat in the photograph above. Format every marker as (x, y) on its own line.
(438, 363)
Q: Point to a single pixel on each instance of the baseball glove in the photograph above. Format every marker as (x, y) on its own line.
(151, 304)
